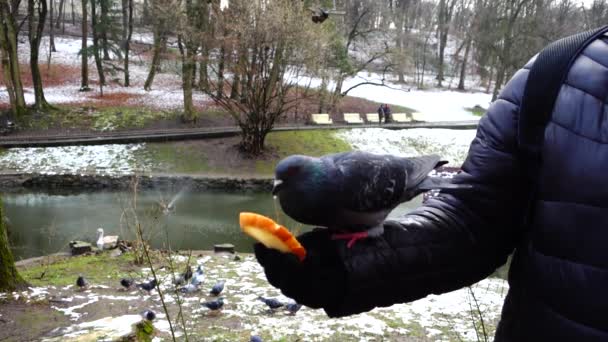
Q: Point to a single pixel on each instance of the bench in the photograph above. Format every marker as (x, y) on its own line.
(321, 119)
(400, 117)
(416, 116)
(372, 117)
(353, 118)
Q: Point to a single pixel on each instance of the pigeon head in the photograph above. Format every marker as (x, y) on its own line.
(294, 169)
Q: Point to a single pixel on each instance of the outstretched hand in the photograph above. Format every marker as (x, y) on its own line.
(318, 281)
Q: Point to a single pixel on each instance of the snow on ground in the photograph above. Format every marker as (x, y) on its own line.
(451, 144)
(100, 159)
(437, 105)
(450, 316)
(166, 93)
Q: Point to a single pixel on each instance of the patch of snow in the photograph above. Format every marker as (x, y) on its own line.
(450, 144)
(70, 311)
(101, 159)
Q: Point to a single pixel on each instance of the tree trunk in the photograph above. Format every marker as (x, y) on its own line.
(127, 21)
(84, 66)
(74, 13)
(10, 61)
(96, 52)
(10, 279)
(203, 74)
(51, 26)
(322, 93)
(159, 42)
(188, 64)
(7, 76)
(253, 138)
(463, 67)
(60, 13)
(337, 93)
(104, 22)
(37, 12)
(220, 72)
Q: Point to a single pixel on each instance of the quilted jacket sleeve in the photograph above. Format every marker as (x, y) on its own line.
(453, 240)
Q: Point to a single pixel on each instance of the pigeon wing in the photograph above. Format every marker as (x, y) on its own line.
(370, 182)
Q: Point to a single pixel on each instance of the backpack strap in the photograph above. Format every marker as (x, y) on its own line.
(546, 77)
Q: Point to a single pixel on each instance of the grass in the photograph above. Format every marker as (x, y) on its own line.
(313, 143)
(110, 118)
(477, 110)
(96, 268)
(176, 158)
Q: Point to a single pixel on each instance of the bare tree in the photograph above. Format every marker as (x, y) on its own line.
(9, 277)
(84, 66)
(37, 11)
(160, 29)
(446, 9)
(10, 58)
(127, 26)
(96, 48)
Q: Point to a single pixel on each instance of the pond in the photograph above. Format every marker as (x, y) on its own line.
(42, 223)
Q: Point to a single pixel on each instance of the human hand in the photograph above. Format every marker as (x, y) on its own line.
(318, 281)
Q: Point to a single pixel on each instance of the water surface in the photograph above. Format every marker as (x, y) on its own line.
(42, 223)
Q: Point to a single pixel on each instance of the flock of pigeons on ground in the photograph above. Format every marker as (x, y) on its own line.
(190, 282)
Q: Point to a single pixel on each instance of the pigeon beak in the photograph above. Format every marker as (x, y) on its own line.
(276, 186)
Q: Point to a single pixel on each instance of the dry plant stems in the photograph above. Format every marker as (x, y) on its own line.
(146, 254)
(476, 311)
(180, 315)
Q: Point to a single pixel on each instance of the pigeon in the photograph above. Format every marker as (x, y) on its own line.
(184, 277)
(214, 305)
(81, 282)
(149, 286)
(255, 338)
(293, 307)
(318, 17)
(352, 193)
(217, 288)
(126, 283)
(272, 303)
(198, 276)
(189, 288)
(148, 315)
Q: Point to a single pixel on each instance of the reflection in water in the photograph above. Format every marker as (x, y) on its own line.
(41, 223)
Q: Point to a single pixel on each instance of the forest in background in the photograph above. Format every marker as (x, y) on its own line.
(250, 57)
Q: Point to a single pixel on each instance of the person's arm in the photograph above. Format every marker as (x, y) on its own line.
(450, 242)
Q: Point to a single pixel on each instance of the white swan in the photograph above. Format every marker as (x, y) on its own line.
(106, 242)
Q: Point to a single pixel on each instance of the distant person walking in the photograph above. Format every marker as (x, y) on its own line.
(384, 111)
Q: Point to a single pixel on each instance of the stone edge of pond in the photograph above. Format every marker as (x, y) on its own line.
(11, 182)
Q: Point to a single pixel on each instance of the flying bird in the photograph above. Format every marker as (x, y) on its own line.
(126, 283)
(353, 192)
(81, 282)
(149, 286)
(319, 15)
(272, 303)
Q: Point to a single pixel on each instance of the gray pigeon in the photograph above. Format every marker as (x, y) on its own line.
(353, 192)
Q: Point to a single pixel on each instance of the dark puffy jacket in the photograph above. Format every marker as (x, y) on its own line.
(559, 275)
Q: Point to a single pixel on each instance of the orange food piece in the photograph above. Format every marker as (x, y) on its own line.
(271, 234)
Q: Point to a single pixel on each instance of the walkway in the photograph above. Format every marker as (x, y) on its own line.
(137, 136)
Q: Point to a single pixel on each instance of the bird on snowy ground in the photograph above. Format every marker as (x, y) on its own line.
(184, 277)
(198, 276)
(126, 283)
(293, 307)
(81, 282)
(352, 193)
(217, 288)
(189, 288)
(214, 305)
(149, 286)
(272, 303)
(148, 315)
(255, 338)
